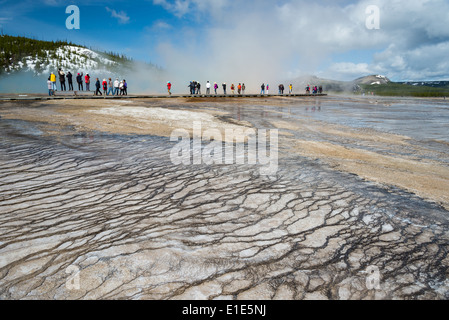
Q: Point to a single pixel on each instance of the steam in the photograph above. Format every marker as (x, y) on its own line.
(264, 41)
(23, 82)
(251, 42)
(255, 42)
(238, 50)
(141, 78)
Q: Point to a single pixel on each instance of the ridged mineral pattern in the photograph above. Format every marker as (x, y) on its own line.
(104, 216)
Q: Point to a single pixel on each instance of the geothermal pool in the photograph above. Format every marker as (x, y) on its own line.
(92, 206)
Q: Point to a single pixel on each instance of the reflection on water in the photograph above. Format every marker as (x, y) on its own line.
(419, 121)
(140, 228)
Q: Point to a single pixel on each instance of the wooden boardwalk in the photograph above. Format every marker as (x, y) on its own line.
(90, 95)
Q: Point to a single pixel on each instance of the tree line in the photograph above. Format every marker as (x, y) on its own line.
(16, 49)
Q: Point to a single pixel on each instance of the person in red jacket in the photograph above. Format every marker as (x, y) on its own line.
(87, 80)
(105, 87)
(169, 87)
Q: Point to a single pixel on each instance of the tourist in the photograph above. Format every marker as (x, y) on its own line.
(121, 87)
(239, 89)
(232, 88)
(125, 87)
(224, 87)
(215, 88)
(243, 88)
(50, 87)
(110, 87)
(116, 87)
(208, 87)
(192, 88)
(105, 87)
(53, 81)
(290, 89)
(97, 87)
(268, 89)
(62, 80)
(87, 81)
(169, 88)
(70, 80)
(79, 79)
(262, 87)
(198, 88)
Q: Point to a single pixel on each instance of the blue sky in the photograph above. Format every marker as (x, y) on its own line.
(99, 28)
(262, 38)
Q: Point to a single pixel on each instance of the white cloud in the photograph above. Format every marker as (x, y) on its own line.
(121, 16)
(4, 20)
(182, 8)
(261, 39)
(349, 70)
(161, 25)
(178, 7)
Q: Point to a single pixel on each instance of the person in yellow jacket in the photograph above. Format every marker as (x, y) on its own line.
(53, 81)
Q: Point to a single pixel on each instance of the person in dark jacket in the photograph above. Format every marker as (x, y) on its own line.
(62, 80)
(98, 86)
(192, 87)
(125, 87)
(70, 80)
(79, 79)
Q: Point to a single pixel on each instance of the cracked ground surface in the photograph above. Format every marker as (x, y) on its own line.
(97, 214)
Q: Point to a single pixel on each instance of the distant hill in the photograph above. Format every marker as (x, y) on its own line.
(328, 85)
(378, 85)
(434, 84)
(339, 86)
(20, 54)
(372, 80)
(26, 63)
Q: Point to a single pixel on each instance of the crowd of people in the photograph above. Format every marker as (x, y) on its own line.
(195, 88)
(109, 87)
(315, 89)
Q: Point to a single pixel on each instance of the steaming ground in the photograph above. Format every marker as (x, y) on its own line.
(90, 185)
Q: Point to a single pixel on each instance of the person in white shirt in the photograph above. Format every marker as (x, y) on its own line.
(208, 87)
(50, 87)
(116, 87)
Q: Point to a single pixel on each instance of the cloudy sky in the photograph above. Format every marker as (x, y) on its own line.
(254, 38)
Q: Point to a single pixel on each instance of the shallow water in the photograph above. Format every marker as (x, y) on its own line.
(416, 120)
(115, 208)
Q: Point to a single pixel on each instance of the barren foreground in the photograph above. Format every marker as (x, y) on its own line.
(94, 208)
